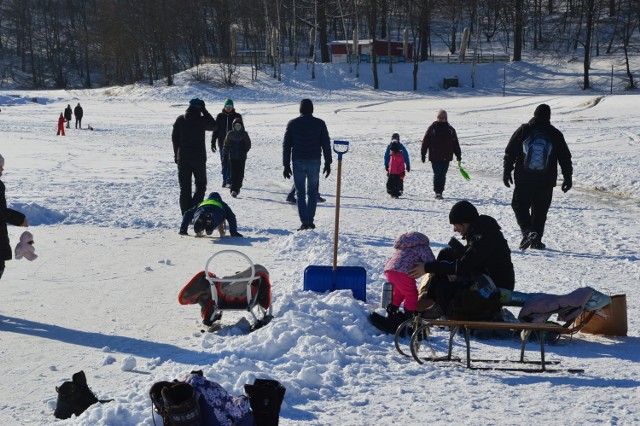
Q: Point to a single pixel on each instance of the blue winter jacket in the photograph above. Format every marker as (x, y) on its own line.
(216, 214)
(304, 139)
(405, 154)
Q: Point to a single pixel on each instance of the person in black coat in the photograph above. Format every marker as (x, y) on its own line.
(7, 216)
(190, 152)
(78, 112)
(533, 190)
(68, 115)
(482, 270)
(306, 140)
(224, 121)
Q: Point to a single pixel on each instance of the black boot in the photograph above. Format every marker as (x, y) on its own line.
(74, 397)
(180, 405)
(265, 398)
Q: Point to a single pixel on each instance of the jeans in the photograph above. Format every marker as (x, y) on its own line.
(306, 177)
(226, 169)
(440, 168)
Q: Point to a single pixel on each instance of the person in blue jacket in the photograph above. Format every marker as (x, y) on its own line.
(207, 215)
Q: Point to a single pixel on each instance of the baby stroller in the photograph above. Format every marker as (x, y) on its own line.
(248, 290)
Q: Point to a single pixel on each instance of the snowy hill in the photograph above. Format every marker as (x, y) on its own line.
(104, 212)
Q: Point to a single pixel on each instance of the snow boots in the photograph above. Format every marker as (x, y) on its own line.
(74, 397)
(176, 403)
(391, 322)
(265, 397)
(528, 238)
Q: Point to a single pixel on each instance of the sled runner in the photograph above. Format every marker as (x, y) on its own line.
(248, 290)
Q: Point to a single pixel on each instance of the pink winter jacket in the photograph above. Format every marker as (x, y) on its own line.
(411, 248)
(396, 165)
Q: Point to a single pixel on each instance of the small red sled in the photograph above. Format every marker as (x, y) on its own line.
(248, 290)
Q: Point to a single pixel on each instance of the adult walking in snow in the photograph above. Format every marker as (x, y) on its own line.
(535, 150)
(7, 216)
(68, 115)
(482, 269)
(224, 121)
(306, 140)
(190, 152)
(441, 143)
(236, 146)
(60, 125)
(78, 112)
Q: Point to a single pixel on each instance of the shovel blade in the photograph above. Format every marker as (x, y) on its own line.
(324, 278)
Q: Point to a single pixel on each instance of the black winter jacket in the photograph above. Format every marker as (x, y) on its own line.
(236, 145)
(225, 125)
(7, 216)
(78, 112)
(514, 155)
(304, 139)
(188, 136)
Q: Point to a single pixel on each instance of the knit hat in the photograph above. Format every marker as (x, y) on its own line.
(228, 103)
(463, 212)
(395, 137)
(25, 247)
(306, 106)
(195, 103)
(543, 112)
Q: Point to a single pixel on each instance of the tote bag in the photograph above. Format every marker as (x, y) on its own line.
(615, 324)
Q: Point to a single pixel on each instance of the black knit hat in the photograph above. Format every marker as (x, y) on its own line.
(306, 106)
(463, 212)
(543, 112)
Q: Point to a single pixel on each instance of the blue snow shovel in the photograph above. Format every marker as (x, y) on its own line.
(327, 278)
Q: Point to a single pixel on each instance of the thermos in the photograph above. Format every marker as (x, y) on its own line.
(386, 295)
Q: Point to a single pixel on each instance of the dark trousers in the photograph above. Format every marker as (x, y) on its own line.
(440, 168)
(78, 123)
(237, 174)
(199, 172)
(395, 185)
(531, 203)
(1, 268)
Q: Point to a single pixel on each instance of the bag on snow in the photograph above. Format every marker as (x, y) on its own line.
(537, 151)
(614, 323)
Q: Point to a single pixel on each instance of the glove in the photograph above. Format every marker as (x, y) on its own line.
(459, 160)
(566, 184)
(175, 159)
(213, 147)
(326, 170)
(287, 172)
(386, 168)
(236, 234)
(507, 179)
(424, 158)
(408, 168)
(202, 105)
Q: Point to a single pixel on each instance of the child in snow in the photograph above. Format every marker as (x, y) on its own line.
(7, 216)
(235, 147)
(395, 158)
(207, 215)
(411, 248)
(60, 125)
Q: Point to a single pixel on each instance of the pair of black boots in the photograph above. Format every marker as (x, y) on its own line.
(393, 320)
(176, 403)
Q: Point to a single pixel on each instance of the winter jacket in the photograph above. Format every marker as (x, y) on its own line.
(68, 114)
(405, 154)
(514, 155)
(61, 122)
(412, 248)
(224, 122)
(188, 135)
(304, 139)
(441, 142)
(77, 111)
(215, 212)
(236, 145)
(7, 216)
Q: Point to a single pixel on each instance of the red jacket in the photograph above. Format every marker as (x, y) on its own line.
(441, 142)
(61, 122)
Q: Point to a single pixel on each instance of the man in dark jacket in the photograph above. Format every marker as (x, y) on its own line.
(306, 140)
(224, 120)
(7, 216)
(68, 115)
(533, 189)
(190, 152)
(441, 142)
(78, 112)
(207, 215)
(482, 270)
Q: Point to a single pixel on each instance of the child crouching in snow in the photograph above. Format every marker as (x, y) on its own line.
(411, 248)
(395, 159)
(209, 215)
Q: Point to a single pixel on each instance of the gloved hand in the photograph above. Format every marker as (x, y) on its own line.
(424, 158)
(441, 267)
(175, 159)
(213, 147)
(202, 105)
(507, 179)
(326, 170)
(386, 168)
(459, 160)
(567, 184)
(287, 172)
(408, 168)
(236, 234)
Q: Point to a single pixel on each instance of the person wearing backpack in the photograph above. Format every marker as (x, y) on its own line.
(534, 152)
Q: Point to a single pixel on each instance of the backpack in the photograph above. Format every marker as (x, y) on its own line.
(396, 163)
(537, 150)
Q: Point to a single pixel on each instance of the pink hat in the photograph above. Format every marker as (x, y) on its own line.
(25, 247)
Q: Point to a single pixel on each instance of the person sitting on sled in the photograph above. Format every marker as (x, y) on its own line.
(208, 215)
(395, 159)
(411, 248)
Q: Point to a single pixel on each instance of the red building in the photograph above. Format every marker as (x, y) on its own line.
(381, 47)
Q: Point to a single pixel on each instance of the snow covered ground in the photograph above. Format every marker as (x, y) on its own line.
(103, 208)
